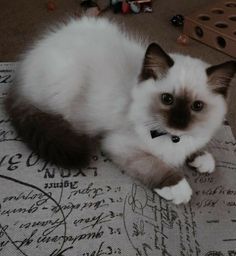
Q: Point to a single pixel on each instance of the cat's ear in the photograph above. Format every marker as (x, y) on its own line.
(219, 76)
(156, 63)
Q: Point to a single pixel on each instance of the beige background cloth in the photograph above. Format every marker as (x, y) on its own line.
(99, 210)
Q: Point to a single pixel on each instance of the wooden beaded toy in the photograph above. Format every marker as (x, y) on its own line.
(215, 26)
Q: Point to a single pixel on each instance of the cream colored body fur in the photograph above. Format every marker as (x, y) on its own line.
(88, 71)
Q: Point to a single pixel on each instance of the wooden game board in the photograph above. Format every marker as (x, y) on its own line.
(214, 25)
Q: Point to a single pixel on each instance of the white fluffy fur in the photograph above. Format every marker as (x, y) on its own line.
(178, 194)
(204, 163)
(88, 72)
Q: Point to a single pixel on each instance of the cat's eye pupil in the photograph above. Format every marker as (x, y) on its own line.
(167, 98)
(197, 105)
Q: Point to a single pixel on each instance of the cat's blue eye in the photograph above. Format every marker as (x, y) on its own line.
(197, 106)
(167, 98)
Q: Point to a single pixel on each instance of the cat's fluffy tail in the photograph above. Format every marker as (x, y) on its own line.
(49, 135)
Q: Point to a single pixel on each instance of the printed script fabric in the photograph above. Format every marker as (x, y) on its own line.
(49, 211)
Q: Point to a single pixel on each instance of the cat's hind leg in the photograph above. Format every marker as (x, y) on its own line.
(49, 135)
(150, 170)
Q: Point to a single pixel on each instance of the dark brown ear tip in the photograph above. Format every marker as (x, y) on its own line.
(154, 48)
(154, 45)
(157, 50)
(231, 64)
(156, 62)
(220, 76)
(228, 66)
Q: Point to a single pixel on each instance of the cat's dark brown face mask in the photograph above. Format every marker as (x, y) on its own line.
(181, 110)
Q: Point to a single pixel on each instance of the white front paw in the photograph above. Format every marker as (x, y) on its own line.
(204, 163)
(179, 193)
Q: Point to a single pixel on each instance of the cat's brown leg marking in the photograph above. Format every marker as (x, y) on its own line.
(149, 169)
(192, 157)
(170, 179)
(163, 179)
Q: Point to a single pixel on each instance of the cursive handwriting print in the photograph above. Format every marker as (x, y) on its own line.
(98, 210)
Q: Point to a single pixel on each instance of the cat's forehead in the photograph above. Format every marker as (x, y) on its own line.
(187, 76)
(185, 93)
(185, 62)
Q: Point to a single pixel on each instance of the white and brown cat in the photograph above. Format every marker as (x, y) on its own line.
(88, 81)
